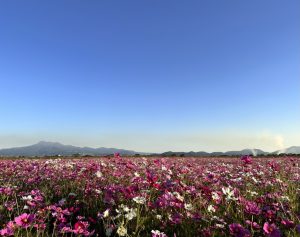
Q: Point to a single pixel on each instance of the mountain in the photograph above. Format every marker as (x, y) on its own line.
(290, 150)
(255, 152)
(54, 148)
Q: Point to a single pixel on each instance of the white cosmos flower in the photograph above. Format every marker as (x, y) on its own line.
(229, 193)
(211, 208)
(99, 174)
(188, 206)
(220, 226)
(106, 213)
(157, 233)
(27, 198)
(131, 214)
(122, 231)
(139, 200)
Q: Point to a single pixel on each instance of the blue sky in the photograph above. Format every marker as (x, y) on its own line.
(151, 75)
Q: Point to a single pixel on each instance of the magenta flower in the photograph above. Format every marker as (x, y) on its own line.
(9, 230)
(246, 159)
(237, 230)
(25, 220)
(252, 208)
(271, 230)
(81, 228)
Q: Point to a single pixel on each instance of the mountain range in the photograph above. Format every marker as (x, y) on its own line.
(54, 148)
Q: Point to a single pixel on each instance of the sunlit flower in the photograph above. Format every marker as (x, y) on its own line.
(228, 193)
(211, 208)
(122, 231)
(106, 213)
(188, 206)
(99, 174)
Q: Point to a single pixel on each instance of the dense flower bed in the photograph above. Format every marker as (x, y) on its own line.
(150, 197)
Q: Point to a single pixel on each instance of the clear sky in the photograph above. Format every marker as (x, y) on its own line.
(151, 75)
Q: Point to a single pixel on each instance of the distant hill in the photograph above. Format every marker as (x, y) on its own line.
(254, 152)
(290, 150)
(54, 148)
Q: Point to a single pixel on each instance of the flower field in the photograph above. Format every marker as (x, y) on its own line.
(150, 197)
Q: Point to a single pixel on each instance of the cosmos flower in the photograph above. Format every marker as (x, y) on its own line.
(139, 200)
(211, 208)
(157, 233)
(99, 174)
(9, 230)
(122, 231)
(24, 220)
(271, 230)
(229, 193)
(252, 208)
(246, 159)
(131, 214)
(188, 206)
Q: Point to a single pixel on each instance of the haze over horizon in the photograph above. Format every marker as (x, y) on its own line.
(151, 76)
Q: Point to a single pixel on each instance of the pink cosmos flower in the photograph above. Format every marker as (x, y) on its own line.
(25, 220)
(271, 230)
(9, 230)
(246, 159)
(252, 208)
